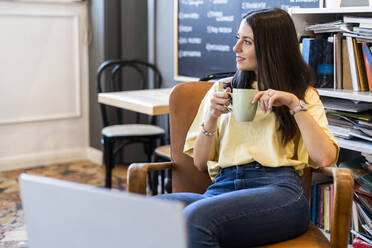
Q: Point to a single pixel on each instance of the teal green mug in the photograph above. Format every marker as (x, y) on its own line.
(241, 104)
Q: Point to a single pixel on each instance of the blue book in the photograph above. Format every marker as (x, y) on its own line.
(368, 54)
(318, 53)
(314, 204)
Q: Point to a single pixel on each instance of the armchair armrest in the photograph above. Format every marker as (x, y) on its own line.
(137, 175)
(343, 184)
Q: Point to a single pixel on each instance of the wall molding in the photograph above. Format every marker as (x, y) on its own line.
(76, 110)
(25, 161)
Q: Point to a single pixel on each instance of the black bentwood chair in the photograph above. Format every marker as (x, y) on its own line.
(116, 135)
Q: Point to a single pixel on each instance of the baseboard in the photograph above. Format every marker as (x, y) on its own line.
(24, 161)
(94, 155)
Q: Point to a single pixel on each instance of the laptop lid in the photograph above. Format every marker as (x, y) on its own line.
(63, 214)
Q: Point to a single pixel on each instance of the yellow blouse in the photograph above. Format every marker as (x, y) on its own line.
(244, 142)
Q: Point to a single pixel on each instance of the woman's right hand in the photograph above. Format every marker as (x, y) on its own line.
(218, 103)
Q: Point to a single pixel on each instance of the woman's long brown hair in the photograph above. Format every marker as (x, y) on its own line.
(280, 63)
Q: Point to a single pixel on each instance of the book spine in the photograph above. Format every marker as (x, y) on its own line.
(368, 63)
(321, 207)
(356, 19)
(331, 188)
(355, 218)
(353, 67)
(314, 202)
(346, 74)
(326, 208)
(360, 66)
(306, 50)
(358, 243)
(337, 60)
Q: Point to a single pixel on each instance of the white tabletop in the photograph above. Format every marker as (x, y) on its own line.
(150, 101)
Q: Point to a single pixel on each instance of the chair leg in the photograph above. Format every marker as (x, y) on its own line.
(162, 179)
(154, 186)
(168, 180)
(153, 175)
(108, 146)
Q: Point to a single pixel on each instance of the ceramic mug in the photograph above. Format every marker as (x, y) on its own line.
(241, 104)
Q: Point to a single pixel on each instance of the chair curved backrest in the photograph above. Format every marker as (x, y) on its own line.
(114, 83)
(184, 103)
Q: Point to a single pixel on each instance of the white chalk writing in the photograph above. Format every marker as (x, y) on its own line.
(188, 16)
(184, 29)
(182, 40)
(220, 1)
(219, 16)
(254, 5)
(219, 48)
(225, 19)
(304, 1)
(286, 7)
(182, 54)
(212, 14)
(216, 30)
(192, 2)
(194, 40)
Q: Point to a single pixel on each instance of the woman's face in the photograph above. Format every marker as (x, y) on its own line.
(244, 48)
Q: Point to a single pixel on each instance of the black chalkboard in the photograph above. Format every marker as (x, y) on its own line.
(205, 33)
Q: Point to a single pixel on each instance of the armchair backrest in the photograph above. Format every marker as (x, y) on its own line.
(184, 102)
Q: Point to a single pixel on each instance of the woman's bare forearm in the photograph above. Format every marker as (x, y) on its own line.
(204, 148)
(319, 146)
(205, 145)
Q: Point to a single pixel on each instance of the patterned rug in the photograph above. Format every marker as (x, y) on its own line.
(12, 228)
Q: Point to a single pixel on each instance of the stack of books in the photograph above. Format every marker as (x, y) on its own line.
(340, 53)
(349, 120)
(322, 202)
(361, 224)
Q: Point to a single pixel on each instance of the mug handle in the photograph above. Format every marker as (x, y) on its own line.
(230, 106)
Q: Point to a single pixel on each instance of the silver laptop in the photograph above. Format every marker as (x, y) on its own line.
(62, 214)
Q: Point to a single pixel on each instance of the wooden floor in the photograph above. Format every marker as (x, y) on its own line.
(12, 228)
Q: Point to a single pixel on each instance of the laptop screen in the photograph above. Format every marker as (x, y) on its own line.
(63, 214)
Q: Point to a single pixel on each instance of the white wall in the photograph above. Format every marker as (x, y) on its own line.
(43, 83)
(164, 40)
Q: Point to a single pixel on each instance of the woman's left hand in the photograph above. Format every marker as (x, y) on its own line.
(269, 98)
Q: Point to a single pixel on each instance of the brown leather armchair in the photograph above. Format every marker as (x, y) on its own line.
(183, 106)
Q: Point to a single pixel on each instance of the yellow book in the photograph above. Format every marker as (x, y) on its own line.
(346, 74)
(361, 70)
(326, 208)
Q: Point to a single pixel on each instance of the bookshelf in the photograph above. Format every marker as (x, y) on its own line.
(302, 17)
(359, 96)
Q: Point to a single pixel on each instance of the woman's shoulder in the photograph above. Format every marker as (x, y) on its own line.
(311, 95)
(224, 80)
(220, 83)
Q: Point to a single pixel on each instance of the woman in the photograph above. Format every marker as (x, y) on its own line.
(257, 197)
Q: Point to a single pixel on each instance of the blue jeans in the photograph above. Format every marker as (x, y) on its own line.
(247, 205)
